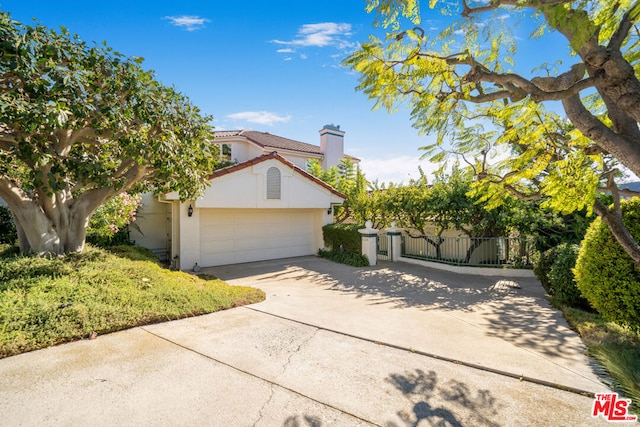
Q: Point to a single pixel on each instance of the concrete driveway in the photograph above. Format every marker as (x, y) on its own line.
(391, 345)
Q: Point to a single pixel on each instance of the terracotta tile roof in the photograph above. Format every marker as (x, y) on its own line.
(267, 140)
(223, 133)
(273, 155)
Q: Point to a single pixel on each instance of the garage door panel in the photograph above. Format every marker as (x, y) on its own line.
(216, 246)
(220, 259)
(256, 232)
(221, 233)
(230, 236)
(280, 244)
(301, 241)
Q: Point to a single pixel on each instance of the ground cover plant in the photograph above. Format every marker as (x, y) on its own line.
(48, 301)
(616, 348)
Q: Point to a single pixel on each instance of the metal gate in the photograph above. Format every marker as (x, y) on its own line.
(383, 246)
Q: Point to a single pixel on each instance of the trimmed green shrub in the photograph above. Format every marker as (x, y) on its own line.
(607, 277)
(562, 284)
(7, 227)
(354, 259)
(343, 236)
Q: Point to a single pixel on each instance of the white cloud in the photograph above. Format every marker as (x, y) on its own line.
(396, 169)
(260, 117)
(189, 23)
(322, 34)
(285, 50)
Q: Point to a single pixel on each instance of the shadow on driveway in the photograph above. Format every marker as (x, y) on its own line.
(514, 310)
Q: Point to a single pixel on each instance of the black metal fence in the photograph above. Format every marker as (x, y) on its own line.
(383, 249)
(513, 252)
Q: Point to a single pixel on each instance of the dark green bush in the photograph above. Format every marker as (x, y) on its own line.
(607, 277)
(343, 235)
(543, 265)
(354, 259)
(7, 227)
(562, 284)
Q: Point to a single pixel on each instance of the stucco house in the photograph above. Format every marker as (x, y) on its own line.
(265, 206)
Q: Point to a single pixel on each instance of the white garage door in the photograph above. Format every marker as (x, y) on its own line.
(230, 236)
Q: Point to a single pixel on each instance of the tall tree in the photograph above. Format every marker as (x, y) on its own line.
(462, 85)
(348, 179)
(81, 124)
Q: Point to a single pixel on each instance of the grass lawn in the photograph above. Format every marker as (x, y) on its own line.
(44, 302)
(617, 349)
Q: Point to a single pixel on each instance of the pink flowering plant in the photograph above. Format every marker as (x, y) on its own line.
(112, 218)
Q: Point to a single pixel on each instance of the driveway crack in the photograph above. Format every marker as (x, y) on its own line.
(266, 403)
(272, 384)
(297, 350)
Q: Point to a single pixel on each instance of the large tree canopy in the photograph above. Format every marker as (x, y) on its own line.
(464, 85)
(80, 124)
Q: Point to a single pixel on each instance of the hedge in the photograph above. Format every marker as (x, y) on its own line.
(608, 277)
(562, 284)
(354, 259)
(343, 236)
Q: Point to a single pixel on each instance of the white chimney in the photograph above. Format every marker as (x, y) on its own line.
(331, 145)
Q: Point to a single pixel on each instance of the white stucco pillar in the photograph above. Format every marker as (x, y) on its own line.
(189, 235)
(394, 234)
(369, 242)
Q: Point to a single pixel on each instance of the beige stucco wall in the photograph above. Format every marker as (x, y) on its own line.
(154, 223)
(246, 188)
(244, 192)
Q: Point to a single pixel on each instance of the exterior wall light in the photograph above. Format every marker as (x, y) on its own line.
(190, 210)
(330, 210)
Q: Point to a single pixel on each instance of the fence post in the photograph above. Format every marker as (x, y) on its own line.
(369, 242)
(395, 242)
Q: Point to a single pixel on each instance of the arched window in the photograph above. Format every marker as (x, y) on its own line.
(273, 183)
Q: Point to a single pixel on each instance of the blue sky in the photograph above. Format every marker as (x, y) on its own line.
(272, 66)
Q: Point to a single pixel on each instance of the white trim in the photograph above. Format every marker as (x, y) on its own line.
(478, 271)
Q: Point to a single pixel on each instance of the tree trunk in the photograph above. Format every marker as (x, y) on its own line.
(38, 234)
(50, 225)
(76, 234)
(475, 244)
(23, 241)
(435, 244)
(625, 150)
